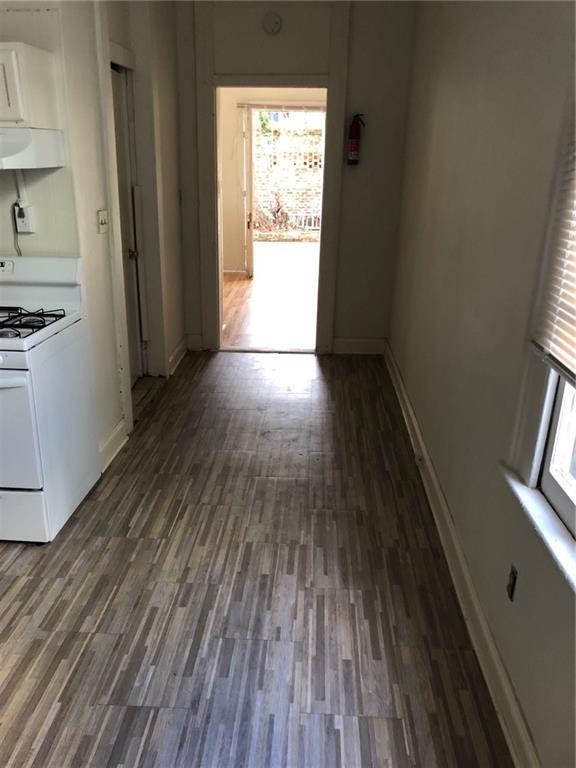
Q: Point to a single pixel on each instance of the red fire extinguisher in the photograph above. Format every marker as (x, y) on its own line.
(354, 134)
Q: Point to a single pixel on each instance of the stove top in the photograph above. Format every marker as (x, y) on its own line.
(18, 323)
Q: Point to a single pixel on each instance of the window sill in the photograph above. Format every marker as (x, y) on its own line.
(547, 524)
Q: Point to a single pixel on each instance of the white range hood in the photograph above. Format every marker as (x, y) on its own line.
(22, 148)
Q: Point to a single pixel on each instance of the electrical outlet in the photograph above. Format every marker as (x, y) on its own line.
(24, 218)
(6, 266)
(102, 221)
(511, 586)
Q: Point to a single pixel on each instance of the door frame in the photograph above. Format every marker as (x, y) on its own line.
(108, 53)
(133, 203)
(150, 291)
(207, 82)
(248, 106)
(247, 121)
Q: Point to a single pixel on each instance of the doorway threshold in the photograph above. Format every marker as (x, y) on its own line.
(269, 350)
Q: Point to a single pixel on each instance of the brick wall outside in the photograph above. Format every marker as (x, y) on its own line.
(288, 159)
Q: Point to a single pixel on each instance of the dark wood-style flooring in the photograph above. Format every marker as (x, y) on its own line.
(143, 392)
(256, 582)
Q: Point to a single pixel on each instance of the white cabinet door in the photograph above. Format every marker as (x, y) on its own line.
(11, 106)
(20, 465)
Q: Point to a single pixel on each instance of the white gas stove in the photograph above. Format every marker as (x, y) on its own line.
(48, 441)
(22, 329)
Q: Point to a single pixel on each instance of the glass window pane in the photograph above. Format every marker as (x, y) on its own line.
(563, 462)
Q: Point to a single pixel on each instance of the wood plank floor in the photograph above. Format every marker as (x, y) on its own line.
(143, 392)
(255, 582)
(277, 308)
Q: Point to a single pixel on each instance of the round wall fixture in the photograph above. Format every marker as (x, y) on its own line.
(272, 23)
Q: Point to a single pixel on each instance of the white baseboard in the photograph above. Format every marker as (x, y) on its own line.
(176, 357)
(113, 444)
(343, 346)
(499, 684)
(194, 342)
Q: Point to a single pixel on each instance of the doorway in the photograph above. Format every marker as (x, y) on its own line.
(270, 151)
(143, 387)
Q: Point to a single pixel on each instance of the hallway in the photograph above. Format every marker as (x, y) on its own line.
(256, 581)
(277, 308)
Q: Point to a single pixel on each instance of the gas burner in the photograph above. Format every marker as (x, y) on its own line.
(32, 321)
(16, 322)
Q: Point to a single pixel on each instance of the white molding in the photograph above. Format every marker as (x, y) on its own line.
(194, 342)
(547, 524)
(207, 80)
(121, 56)
(147, 147)
(207, 172)
(499, 684)
(113, 444)
(177, 355)
(344, 346)
(333, 175)
(276, 80)
(113, 205)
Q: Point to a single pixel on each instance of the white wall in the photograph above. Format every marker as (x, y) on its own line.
(118, 22)
(379, 65)
(231, 162)
(378, 84)
(153, 41)
(69, 30)
(230, 186)
(186, 50)
(87, 160)
(165, 90)
(51, 192)
(488, 94)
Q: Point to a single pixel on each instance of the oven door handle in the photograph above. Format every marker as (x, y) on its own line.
(12, 383)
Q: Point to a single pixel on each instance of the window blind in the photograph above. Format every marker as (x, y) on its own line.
(556, 329)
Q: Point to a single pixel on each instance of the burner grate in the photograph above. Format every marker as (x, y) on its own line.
(16, 322)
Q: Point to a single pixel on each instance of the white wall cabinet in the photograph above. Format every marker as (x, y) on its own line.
(11, 109)
(28, 95)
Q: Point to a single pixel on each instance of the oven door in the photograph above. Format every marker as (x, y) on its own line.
(20, 465)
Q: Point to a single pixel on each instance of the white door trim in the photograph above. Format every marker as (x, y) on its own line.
(129, 236)
(114, 234)
(332, 184)
(248, 192)
(206, 82)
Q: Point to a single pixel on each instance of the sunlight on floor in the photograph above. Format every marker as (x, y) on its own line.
(277, 308)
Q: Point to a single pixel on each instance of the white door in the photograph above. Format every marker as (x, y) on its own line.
(125, 190)
(20, 465)
(247, 182)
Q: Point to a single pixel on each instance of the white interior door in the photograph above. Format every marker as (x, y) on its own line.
(129, 251)
(248, 196)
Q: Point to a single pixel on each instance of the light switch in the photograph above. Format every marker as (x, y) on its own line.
(102, 221)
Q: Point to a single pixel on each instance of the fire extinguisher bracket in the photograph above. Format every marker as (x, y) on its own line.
(354, 135)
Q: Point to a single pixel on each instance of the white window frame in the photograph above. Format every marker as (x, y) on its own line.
(557, 497)
(523, 467)
(535, 424)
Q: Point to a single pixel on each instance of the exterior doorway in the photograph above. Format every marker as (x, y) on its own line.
(270, 180)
